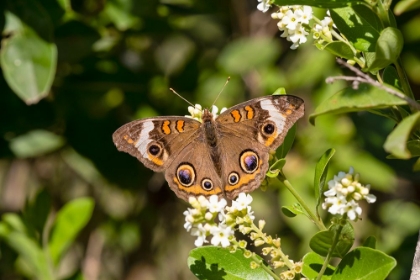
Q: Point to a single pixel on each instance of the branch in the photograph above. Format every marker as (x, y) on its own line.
(364, 78)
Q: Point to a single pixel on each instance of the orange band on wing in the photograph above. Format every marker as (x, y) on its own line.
(180, 126)
(156, 160)
(165, 127)
(196, 190)
(269, 141)
(249, 112)
(244, 180)
(236, 115)
(128, 139)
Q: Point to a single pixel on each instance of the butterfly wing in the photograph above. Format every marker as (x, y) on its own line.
(156, 141)
(250, 130)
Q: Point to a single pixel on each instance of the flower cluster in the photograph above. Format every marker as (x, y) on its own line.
(343, 195)
(294, 22)
(212, 217)
(197, 112)
(201, 220)
(322, 31)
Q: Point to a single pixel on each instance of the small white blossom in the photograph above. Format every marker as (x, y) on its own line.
(242, 201)
(294, 22)
(201, 232)
(221, 235)
(201, 220)
(353, 210)
(323, 30)
(299, 37)
(216, 205)
(264, 5)
(196, 112)
(343, 195)
(204, 203)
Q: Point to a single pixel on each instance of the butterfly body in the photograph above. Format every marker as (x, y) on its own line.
(225, 155)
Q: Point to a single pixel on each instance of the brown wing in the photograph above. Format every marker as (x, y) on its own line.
(265, 119)
(192, 172)
(156, 141)
(248, 132)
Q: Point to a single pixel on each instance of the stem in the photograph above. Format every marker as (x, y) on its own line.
(266, 268)
(284, 257)
(331, 250)
(314, 218)
(364, 78)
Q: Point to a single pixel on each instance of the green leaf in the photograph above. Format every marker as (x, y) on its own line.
(321, 172)
(293, 211)
(364, 264)
(36, 213)
(319, 3)
(416, 166)
(390, 77)
(359, 24)
(370, 242)
(35, 143)
(14, 222)
(322, 241)
(312, 264)
(366, 97)
(69, 221)
(280, 91)
(282, 151)
(388, 49)
(405, 6)
(340, 49)
(275, 168)
(28, 61)
(31, 253)
(211, 262)
(396, 142)
(258, 52)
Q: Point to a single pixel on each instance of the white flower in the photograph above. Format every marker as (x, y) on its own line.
(242, 201)
(201, 232)
(290, 20)
(343, 195)
(250, 213)
(293, 22)
(304, 14)
(221, 235)
(323, 29)
(196, 112)
(215, 205)
(335, 205)
(353, 210)
(204, 203)
(264, 5)
(189, 219)
(299, 37)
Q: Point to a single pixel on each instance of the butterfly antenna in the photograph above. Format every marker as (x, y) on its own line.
(171, 89)
(217, 97)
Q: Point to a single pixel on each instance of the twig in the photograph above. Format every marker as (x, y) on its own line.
(364, 78)
(415, 270)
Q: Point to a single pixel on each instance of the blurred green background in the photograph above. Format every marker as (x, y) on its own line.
(116, 62)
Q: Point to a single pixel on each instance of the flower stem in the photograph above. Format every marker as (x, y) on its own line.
(266, 268)
(331, 250)
(291, 189)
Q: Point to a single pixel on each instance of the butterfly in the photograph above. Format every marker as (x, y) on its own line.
(223, 155)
